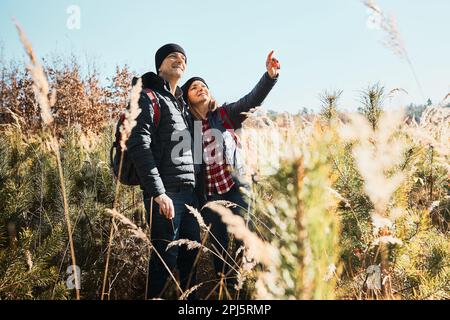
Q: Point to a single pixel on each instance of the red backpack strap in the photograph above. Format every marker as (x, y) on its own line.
(155, 104)
(228, 123)
(226, 118)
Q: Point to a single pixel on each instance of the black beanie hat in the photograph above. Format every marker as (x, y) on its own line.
(164, 51)
(185, 87)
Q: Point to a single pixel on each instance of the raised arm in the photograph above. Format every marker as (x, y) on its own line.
(257, 95)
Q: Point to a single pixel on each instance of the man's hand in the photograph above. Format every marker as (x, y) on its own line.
(272, 65)
(165, 206)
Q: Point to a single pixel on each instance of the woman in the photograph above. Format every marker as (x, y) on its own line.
(218, 178)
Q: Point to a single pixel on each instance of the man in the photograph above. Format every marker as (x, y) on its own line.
(166, 176)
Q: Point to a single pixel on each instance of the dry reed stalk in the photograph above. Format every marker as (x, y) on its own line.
(203, 225)
(394, 39)
(189, 291)
(190, 245)
(138, 233)
(258, 250)
(125, 130)
(41, 90)
(135, 230)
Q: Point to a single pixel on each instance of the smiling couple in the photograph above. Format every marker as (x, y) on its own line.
(170, 180)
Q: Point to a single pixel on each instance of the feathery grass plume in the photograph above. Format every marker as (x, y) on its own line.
(396, 91)
(378, 152)
(393, 40)
(258, 250)
(188, 292)
(228, 204)
(190, 244)
(135, 230)
(40, 84)
(131, 114)
(41, 90)
(197, 216)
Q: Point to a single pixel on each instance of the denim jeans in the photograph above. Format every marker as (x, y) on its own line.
(219, 229)
(184, 226)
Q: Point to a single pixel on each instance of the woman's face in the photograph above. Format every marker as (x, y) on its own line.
(198, 93)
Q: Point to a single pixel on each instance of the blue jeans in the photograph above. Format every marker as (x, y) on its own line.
(184, 226)
(219, 230)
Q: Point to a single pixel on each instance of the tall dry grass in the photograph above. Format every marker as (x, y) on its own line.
(125, 131)
(393, 38)
(335, 198)
(41, 91)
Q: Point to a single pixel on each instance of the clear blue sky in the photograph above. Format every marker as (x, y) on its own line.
(321, 44)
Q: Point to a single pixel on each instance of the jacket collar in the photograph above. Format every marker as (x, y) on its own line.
(153, 81)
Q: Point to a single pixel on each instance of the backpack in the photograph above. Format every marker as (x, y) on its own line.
(128, 175)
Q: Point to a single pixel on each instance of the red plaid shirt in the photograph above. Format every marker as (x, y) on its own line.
(218, 176)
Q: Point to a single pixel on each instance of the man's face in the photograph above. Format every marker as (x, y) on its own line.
(173, 66)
